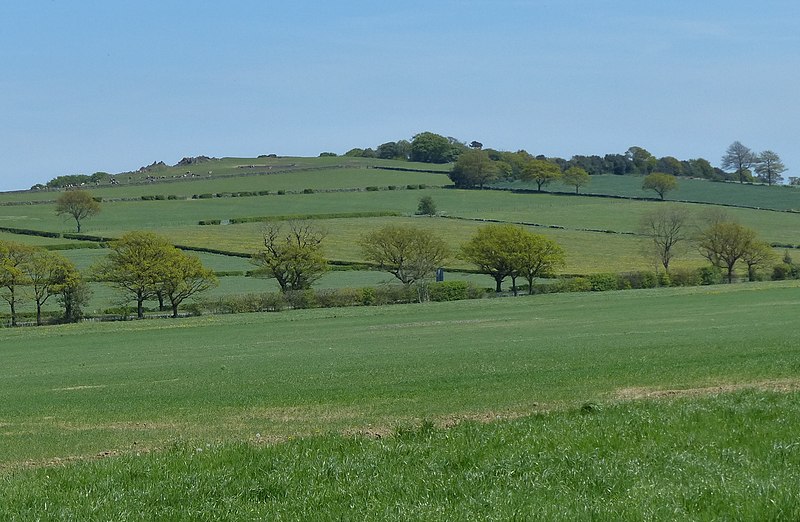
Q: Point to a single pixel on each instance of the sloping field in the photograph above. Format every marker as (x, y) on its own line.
(84, 389)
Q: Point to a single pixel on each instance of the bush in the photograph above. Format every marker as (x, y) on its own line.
(642, 279)
(301, 299)
(685, 277)
(453, 291)
(172, 197)
(426, 206)
(603, 282)
(331, 298)
(205, 196)
(372, 188)
(785, 271)
(308, 191)
(574, 284)
(263, 192)
(392, 187)
(412, 187)
(209, 222)
(281, 192)
(710, 275)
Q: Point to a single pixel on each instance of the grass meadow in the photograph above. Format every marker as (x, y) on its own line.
(663, 404)
(275, 414)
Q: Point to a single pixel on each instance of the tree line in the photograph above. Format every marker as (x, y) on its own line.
(739, 163)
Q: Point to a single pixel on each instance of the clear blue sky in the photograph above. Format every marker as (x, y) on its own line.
(95, 85)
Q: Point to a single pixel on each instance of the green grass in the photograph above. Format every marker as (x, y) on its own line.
(731, 457)
(87, 388)
(778, 197)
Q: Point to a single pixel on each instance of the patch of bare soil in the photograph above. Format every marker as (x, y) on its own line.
(780, 385)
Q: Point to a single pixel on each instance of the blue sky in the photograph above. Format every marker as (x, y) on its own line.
(110, 86)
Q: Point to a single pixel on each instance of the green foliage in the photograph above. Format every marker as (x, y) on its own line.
(541, 172)
(428, 147)
(453, 291)
(77, 204)
(426, 206)
(473, 169)
(294, 258)
(710, 275)
(576, 177)
(603, 282)
(409, 253)
(660, 183)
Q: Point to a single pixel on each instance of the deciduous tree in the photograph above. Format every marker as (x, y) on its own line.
(294, 258)
(660, 183)
(135, 265)
(769, 167)
(13, 258)
(408, 253)
(183, 276)
(473, 169)
(534, 255)
(47, 274)
(739, 159)
(724, 243)
(542, 172)
(77, 204)
(667, 233)
(576, 177)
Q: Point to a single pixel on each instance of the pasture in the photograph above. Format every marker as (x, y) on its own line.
(247, 415)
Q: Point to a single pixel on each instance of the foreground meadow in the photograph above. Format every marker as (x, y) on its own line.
(669, 404)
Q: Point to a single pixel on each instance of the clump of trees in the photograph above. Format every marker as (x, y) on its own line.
(145, 266)
(502, 251)
(742, 160)
(34, 273)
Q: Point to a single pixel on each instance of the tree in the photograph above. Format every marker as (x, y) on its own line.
(642, 161)
(769, 167)
(542, 172)
(74, 294)
(294, 258)
(78, 204)
(758, 254)
(666, 230)
(47, 274)
(489, 250)
(576, 177)
(473, 168)
(426, 207)
(660, 183)
(13, 258)
(739, 159)
(428, 147)
(182, 276)
(135, 265)
(724, 243)
(408, 253)
(534, 255)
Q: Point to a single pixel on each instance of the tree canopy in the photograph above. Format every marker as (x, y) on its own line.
(77, 204)
(407, 252)
(293, 258)
(660, 183)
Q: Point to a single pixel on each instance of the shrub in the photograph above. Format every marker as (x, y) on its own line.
(205, 196)
(710, 275)
(372, 188)
(331, 298)
(301, 299)
(308, 191)
(574, 284)
(603, 282)
(642, 279)
(685, 277)
(281, 192)
(449, 291)
(172, 197)
(426, 206)
(412, 187)
(263, 192)
(392, 187)
(159, 197)
(785, 271)
(209, 222)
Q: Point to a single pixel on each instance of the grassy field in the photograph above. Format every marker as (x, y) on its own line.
(87, 388)
(730, 457)
(601, 405)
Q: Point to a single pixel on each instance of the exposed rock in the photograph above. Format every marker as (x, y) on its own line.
(193, 161)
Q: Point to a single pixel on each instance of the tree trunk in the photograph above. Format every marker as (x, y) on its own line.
(13, 310)
(79, 225)
(514, 285)
(175, 310)
(140, 308)
(530, 285)
(499, 281)
(38, 313)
